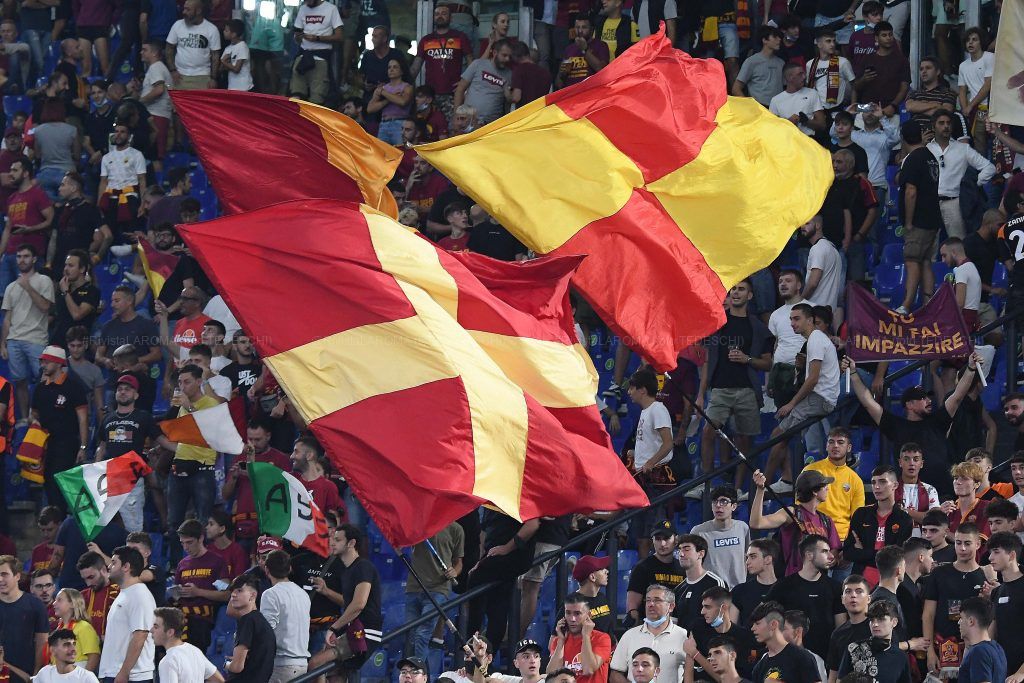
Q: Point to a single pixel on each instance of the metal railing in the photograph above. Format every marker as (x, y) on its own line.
(1008, 322)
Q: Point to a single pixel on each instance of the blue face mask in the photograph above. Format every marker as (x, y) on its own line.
(717, 621)
(655, 623)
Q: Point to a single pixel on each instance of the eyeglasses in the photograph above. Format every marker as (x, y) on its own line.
(655, 601)
(942, 161)
(721, 502)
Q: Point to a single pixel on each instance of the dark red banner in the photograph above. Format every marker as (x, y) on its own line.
(936, 330)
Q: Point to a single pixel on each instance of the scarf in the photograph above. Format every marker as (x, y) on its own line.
(832, 79)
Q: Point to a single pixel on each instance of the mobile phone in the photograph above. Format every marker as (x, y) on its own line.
(242, 464)
(865, 107)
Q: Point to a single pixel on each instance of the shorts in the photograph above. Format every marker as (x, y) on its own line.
(919, 244)
(730, 39)
(740, 404)
(23, 360)
(93, 33)
(539, 572)
(160, 127)
(192, 83)
(986, 315)
(812, 406)
(350, 27)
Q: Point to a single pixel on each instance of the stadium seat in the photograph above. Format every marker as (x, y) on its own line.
(892, 253)
(942, 273)
(889, 283)
(15, 103)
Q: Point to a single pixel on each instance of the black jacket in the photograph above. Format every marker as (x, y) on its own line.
(864, 527)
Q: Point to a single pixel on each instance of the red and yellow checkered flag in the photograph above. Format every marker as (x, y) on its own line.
(672, 189)
(430, 393)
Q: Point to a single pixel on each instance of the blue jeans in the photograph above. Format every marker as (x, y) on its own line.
(23, 360)
(417, 605)
(391, 131)
(199, 487)
(38, 42)
(8, 270)
(49, 178)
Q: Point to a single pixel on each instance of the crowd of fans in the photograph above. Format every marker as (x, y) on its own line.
(181, 586)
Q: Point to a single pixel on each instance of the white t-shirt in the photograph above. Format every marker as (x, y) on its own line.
(789, 342)
(157, 72)
(48, 674)
(805, 100)
(243, 79)
(131, 611)
(194, 44)
(846, 77)
(968, 274)
(825, 257)
(122, 168)
(317, 21)
(973, 74)
(668, 644)
(648, 441)
(911, 500)
(1018, 500)
(286, 607)
(820, 347)
(221, 386)
(185, 663)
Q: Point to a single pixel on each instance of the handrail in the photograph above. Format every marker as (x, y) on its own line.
(663, 497)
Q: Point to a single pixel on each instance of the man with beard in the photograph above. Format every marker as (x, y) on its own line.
(128, 650)
(78, 223)
(661, 567)
(1013, 411)
(27, 302)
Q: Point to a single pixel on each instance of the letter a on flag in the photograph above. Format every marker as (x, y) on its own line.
(286, 509)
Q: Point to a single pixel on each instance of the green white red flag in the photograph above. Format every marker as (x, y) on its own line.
(286, 509)
(95, 492)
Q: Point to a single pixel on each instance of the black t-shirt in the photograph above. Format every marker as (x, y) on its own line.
(76, 223)
(363, 571)
(62, 321)
(99, 126)
(841, 637)
(254, 632)
(747, 596)
(886, 666)
(158, 586)
(22, 620)
(747, 649)
(983, 254)
(1011, 245)
(819, 600)
(911, 604)
(949, 586)
(490, 239)
(1009, 602)
(242, 375)
(921, 169)
(652, 570)
(305, 566)
(688, 599)
(56, 405)
(842, 196)
(601, 613)
(554, 530)
(792, 665)
(139, 332)
(860, 157)
(127, 432)
(930, 434)
(738, 333)
(944, 555)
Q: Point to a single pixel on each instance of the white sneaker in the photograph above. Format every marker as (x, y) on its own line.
(695, 493)
(782, 487)
(902, 311)
(121, 249)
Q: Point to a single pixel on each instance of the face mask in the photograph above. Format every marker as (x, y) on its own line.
(655, 623)
(717, 621)
(422, 107)
(879, 644)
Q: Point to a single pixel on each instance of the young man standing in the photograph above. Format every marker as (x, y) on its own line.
(24, 620)
(727, 538)
(984, 661)
(27, 302)
(252, 658)
(128, 649)
(875, 526)
(286, 608)
(917, 556)
(856, 597)
(782, 661)
(660, 567)
(716, 621)
(968, 507)
(591, 573)
(919, 209)
(811, 492)
(846, 493)
(692, 551)
(722, 658)
(183, 662)
(654, 444)
(878, 653)
(199, 583)
(935, 530)
(219, 541)
(944, 595)
(760, 559)
(913, 495)
(1004, 552)
(760, 75)
(830, 74)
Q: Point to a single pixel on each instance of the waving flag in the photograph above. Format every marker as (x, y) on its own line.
(673, 190)
(259, 150)
(430, 394)
(95, 492)
(286, 509)
(1006, 103)
(211, 428)
(157, 265)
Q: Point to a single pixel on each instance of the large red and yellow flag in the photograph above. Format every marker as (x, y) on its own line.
(259, 150)
(673, 190)
(430, 394)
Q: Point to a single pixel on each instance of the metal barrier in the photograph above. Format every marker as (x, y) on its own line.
(1008, 322)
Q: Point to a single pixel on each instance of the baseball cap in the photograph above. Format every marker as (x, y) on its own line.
(54, 354)
(810, 480)
(266, 544)
(130, 380)
(413, 663)
(663, 528)
(913, 394)
(587, 565)
(11, 130)
(527, 644)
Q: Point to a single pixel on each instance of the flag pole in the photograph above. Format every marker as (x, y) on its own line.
(719, 429)
(444, 617)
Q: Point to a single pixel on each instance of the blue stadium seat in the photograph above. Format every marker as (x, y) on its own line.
(178, 159)
(1000, 276)
(16, 103)
(892, 253)
(221, 639)
(889, 283)
(942, 272)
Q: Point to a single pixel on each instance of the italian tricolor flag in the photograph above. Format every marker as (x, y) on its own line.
(286, 509)
(95, 492)
(212, 428)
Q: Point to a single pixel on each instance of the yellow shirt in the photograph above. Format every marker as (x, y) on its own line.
(845, 495)
(205, 456)
(86, 641)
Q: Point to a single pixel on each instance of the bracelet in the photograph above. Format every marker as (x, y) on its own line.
(518, 542)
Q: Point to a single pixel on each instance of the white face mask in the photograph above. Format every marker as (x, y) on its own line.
(655, 623)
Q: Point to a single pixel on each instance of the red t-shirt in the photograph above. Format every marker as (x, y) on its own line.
(574, 65)
(246, 525)
(7, 546)
(454, 243)
(533, 79)
(97, 604)
(977, 515)
(201, 571)
(871, 573)
(325, 494)
(236, 560)
(600, 643)
(41, 556)
(437, 125)
(26, 208)
(426, 191)
(443, 57)
(406, 164)
(189, 332)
